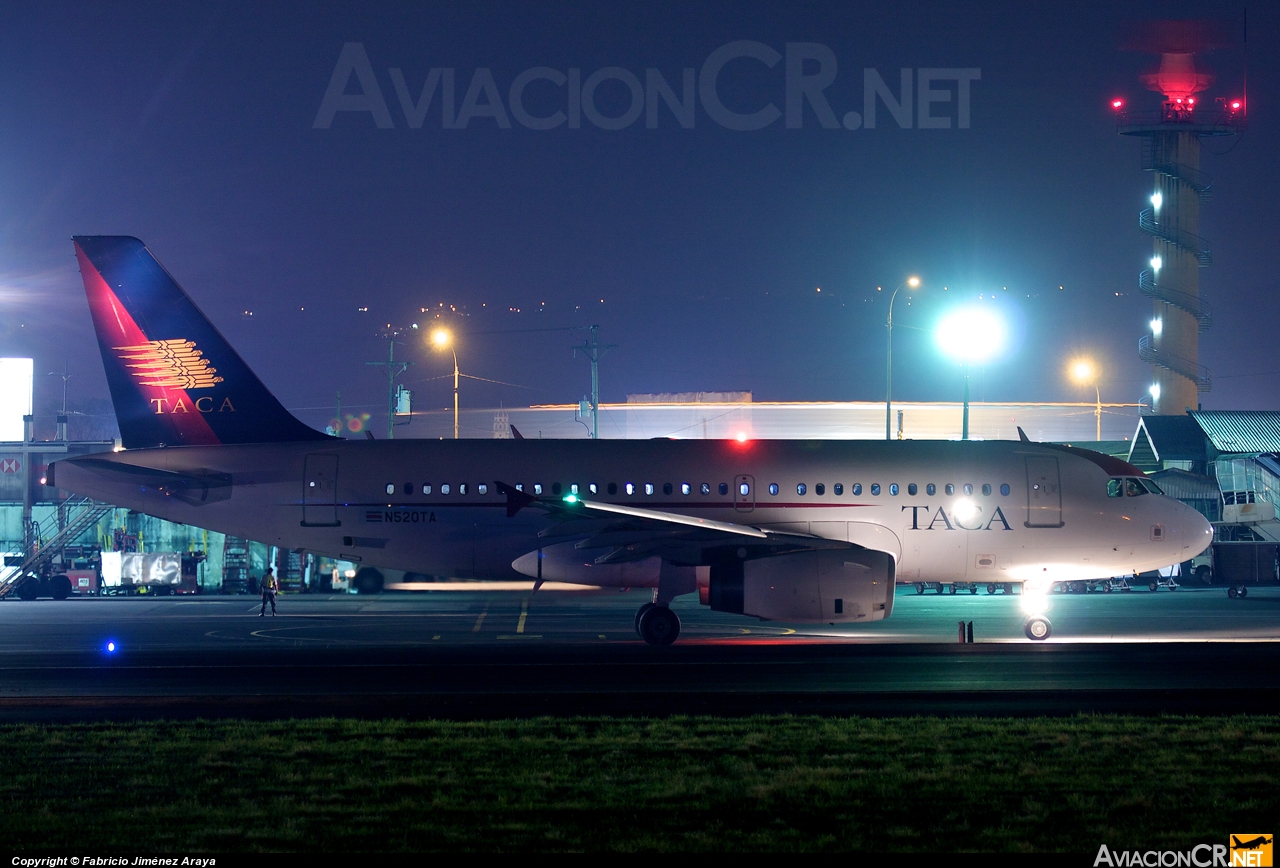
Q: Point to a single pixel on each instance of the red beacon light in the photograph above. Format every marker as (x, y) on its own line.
(1117, 104)
(1236, 105)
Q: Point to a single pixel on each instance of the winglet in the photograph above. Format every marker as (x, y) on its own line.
(1022, 435)
(516, 499)
(515, 432)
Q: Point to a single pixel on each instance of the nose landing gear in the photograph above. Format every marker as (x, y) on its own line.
(1037, 628)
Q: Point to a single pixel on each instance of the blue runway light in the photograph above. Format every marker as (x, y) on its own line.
(111, 647)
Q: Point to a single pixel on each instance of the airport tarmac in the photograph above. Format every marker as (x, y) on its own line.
(485, 653)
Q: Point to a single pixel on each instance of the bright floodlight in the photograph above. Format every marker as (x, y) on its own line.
(971, 335)
(1156, 263)
(1157, 326)
(913, 282)
(1157, 200)
(441, 338)
(1083, 371)
(1155, 391)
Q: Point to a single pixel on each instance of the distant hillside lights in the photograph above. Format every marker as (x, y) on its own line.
(925, 98)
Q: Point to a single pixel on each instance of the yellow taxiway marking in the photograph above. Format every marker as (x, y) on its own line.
(601, 635)
(480, 620)
(787, 632)
(523, 636)
(524, 613)
(433, 638)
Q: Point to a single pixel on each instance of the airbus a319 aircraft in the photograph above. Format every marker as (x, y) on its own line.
(796, 531)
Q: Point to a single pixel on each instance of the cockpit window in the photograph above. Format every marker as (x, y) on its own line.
(1133, 488)
(1115, 488)
(1151, 486)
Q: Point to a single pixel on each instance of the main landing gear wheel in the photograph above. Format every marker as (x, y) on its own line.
(29, 589)
(640, 614)
(1037, 628)
(991, 589)
(60, 587)
(659, 626)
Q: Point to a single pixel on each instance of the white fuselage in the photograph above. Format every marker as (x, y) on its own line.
(946, 511)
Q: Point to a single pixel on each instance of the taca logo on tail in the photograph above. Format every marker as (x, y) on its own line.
(174, 380)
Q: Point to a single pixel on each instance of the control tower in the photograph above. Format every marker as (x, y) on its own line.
(1171, 139)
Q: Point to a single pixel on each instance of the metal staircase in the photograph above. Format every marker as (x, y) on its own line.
(1197, 246)
(1198, 374)
(1192, 304)
(81, 514)
(1194, 178)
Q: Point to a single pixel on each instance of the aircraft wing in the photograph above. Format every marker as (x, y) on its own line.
(633, 533)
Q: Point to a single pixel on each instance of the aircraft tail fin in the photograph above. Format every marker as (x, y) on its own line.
(174, 379)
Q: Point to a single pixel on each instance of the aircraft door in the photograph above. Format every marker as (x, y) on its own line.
(320, 491)
(744, 493)
(1044, 492)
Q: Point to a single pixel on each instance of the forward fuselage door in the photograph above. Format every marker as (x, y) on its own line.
(320, 491)
(744, 493)
(1044, 492)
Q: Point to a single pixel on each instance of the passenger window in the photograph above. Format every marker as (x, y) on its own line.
(724, 488)
(686, 488)
(555, 488)
(666, 488)
(630, 488)
(857, 488)
(537, 488)
(875, 489)
(648, 488)
(573, 488)
(391, 488)
(444, 489)
(462, 489)
(705, 488)
(1004, 489)
(931, 489)
(408, 489)
(911, 489)
(838, 488)
(1114, 489)
(426, 489)
(592, 488)
(613, 488)
(801, 489)
(819, 489)
(893, 489)
(773, 488)
(950, 489)
(744, 489)
(1133, 488)
(968, 488)
(986, 489)
(482, 488)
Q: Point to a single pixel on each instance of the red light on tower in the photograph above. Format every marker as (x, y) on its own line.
(1236, 105)
(1117, 104)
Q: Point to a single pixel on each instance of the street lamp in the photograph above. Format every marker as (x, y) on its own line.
(911, 282)
(970, 335)
(1085, 373)
(442, 339)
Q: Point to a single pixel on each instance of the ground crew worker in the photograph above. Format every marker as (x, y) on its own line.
(269, 587)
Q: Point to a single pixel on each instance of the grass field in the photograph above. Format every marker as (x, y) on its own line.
(765, 783)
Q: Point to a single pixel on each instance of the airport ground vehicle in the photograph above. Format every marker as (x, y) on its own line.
(1237, 566)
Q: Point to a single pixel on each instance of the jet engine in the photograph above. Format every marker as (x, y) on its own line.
(565, 562)
(829, 586)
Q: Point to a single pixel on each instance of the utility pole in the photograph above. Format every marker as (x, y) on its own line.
(593, 350)
(394, 369)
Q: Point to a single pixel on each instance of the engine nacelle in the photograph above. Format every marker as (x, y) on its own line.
(831, 587)
(565, 562)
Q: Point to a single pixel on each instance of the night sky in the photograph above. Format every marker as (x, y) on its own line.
(698, 251)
